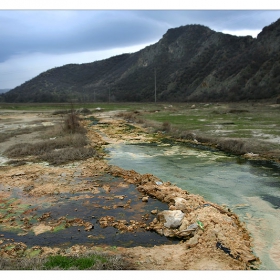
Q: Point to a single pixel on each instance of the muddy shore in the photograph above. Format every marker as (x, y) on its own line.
(210, 236)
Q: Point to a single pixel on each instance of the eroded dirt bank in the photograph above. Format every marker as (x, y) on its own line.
(211, 237)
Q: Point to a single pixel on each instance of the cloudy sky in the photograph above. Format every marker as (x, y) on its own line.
(33, 41)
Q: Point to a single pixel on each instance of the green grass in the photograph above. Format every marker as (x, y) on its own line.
(82, 263)
(67, 106)
(88, 261)
(244, 121)
(210, 119)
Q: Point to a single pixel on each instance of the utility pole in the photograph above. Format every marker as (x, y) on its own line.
(155, 85)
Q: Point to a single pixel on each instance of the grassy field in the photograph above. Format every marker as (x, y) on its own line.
(231, 120)
(254, 127)
(233, 127)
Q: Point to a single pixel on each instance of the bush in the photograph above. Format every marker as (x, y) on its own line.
(166, 126)
(233, 146)
(72, 124)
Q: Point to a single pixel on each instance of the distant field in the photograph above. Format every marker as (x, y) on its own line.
(256, 124)
(230, 120)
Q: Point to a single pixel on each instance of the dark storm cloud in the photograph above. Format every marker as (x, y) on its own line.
(58, 32)
(33, 41)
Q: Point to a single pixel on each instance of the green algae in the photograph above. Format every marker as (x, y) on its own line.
(59, 227)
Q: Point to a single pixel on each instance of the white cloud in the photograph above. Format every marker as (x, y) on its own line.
(244, 32)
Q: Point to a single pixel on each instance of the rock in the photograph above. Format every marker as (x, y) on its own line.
(168, 232)
(83, 111)
(88, 226)
(172, 207)
(106, 188)
(154, 211)
(20, 173)
(192, 242)
(192, 227)
(184, 225)
(145, 199)
(171, 218)
(180, 203)
(28, 188)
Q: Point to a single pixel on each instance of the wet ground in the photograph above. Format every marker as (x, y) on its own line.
(66, 219)
(79, 206)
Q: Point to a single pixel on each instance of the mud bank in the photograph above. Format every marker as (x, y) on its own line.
(207, 235)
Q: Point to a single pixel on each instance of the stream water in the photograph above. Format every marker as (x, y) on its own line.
(251, 189)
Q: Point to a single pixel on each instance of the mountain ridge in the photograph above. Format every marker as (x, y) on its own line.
(189, 63)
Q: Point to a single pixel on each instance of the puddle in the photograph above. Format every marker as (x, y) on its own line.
(60, 220)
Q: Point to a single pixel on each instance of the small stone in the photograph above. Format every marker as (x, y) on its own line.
(172, 207)
(192, 242)
(154, 211)
(145, 199)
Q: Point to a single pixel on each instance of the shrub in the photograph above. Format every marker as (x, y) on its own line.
(166, 126)
(72, 124)
(233, 146)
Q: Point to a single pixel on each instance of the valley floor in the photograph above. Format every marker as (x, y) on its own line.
(223, 243)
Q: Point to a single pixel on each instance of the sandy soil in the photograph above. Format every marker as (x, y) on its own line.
(220, 242)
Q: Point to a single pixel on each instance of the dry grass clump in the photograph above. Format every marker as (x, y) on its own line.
(41, 148)
(130, 116)
(68, 155)
(234, 146)
(68, 143)
(7, 135)
(188, 135)
(22, 264)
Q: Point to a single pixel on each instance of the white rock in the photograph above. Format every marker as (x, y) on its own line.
(145, 199)
(171, 218)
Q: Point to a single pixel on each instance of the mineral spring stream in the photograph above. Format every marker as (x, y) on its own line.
(251, 189)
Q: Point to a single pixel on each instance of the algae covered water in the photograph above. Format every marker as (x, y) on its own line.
(251, 189)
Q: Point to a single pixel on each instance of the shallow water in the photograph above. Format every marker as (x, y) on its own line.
(251, 189)
(90, 208)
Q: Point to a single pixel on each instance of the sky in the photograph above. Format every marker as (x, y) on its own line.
(34, 40)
